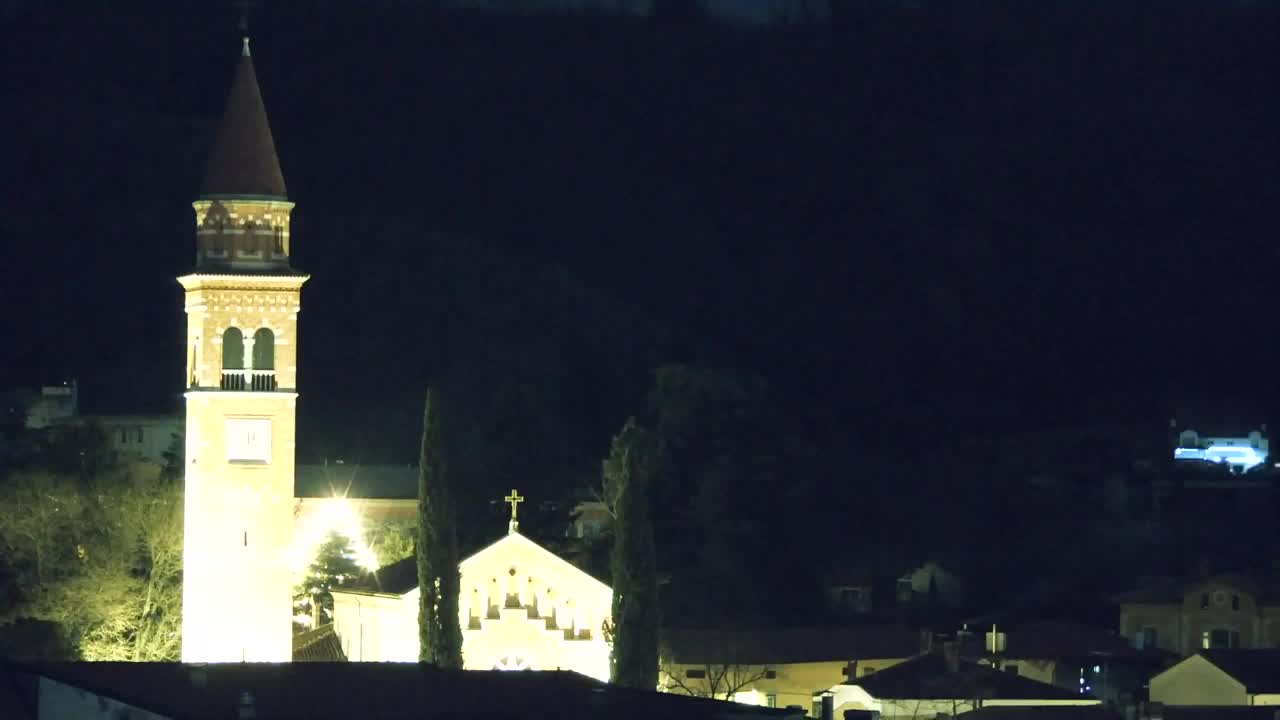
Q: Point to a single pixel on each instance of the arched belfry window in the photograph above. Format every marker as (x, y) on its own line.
(232, 349)
(264, 350)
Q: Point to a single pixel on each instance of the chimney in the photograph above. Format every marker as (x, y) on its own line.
(851, 670)
(828, 706)
(926, 640)
(951, 655)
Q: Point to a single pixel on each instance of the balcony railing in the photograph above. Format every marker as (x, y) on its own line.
(249, 380)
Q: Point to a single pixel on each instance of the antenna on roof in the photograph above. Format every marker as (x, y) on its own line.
(243, 24)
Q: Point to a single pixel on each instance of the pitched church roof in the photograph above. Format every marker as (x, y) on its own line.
(401, 577)
(243, 161)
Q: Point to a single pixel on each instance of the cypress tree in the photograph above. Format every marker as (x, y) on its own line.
(628, 472)
(449, 635)
(430, 471)
(439, 578)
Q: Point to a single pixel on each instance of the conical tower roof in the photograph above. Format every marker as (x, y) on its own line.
(243, 162)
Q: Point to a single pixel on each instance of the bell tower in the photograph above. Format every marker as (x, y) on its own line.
(242, 303)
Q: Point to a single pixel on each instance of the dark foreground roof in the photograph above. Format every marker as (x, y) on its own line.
(926, 678)
(1257, 670)
(1041, 712)
(382, 482)
(388, 691)
(1219, 712)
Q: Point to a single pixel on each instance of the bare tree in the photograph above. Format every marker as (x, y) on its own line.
(102, 561)
(718, 681)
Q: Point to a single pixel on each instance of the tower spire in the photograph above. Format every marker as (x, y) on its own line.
(243, 162)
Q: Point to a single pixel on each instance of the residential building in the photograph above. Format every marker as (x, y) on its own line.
(144, 438)
(780, 667)
(1215, 612)
(942, 683)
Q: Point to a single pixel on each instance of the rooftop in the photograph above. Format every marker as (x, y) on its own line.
(927, 678)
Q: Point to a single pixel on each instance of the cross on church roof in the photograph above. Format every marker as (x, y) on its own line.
(515, 499)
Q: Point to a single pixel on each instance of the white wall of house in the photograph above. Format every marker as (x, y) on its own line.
(1196, 681)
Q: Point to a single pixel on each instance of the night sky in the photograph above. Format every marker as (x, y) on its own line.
(915, 222)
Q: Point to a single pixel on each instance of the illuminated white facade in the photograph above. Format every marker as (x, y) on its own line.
(521, 607)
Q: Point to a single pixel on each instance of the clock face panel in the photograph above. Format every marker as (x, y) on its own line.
(248, 440)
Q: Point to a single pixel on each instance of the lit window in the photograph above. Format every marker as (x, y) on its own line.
(1220, 639)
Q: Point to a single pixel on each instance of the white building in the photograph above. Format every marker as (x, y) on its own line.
(521, 607)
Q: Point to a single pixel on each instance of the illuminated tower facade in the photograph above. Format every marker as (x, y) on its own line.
(242, 303)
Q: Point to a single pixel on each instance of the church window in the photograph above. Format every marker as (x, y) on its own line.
(233, 349)
(264, 349)
(277, 247)
(693, 674)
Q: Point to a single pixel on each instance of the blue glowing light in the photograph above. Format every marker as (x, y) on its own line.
(1239, 457)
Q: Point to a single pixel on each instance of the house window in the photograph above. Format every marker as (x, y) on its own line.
(771, 700)
(905, 591)
(1219, 638)
(695, 674)
(770, 674)
(1145, 639)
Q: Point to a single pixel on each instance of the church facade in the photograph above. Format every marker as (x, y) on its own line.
(522, 607)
